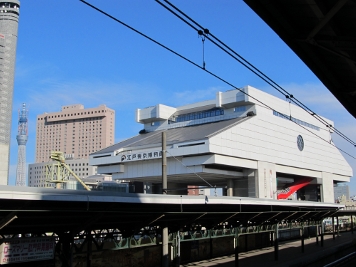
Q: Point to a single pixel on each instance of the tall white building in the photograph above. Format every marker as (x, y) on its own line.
(76, 131)
(235, 143)
(9, 19)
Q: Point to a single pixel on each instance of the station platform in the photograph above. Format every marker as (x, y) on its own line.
(290, 253)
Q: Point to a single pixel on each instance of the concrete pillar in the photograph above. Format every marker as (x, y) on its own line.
(327, 187)
(230, 188)
(241, 187)
(252, 182)
(165, 259)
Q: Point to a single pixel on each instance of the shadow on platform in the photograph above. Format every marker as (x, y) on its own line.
(290, 253)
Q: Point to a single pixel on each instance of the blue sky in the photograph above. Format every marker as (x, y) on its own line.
(68, 53)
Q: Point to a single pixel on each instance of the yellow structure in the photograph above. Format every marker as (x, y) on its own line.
(58, 172)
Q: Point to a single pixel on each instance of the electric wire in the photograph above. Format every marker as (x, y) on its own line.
(190, 168)
(209, 72)
(252, 68)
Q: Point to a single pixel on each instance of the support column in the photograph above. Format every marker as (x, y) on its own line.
(165, 259)
(337, 226)
(333, 224)
(276, 243)
(67, 253)
(89, 248)
(352, 224)
(322, 234)
(211, 244)
(317, 234)
(246, 243)
(302, 238)
(176, 249)
(236, 250)
(230, 188)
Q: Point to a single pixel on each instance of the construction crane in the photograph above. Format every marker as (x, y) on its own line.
(58, 172)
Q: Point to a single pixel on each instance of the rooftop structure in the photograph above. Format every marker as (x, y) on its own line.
(233, 142)
(9, 19)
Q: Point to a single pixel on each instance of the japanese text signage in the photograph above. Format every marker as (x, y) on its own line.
(141, 156)
(26, 249)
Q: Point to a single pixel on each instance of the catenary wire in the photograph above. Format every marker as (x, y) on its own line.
(252, 68)
(209, 72)
(190, 168)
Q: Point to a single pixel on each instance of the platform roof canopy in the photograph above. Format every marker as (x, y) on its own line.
(323, 34)
(38, 211)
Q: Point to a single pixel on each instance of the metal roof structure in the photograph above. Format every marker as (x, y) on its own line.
(323, 34)
(175, 135)
(35, 210)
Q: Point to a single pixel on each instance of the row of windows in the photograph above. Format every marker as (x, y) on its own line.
(197, 115)
(300, 122)
(75, 114)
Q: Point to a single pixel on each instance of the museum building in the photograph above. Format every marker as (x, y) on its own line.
(246, 142)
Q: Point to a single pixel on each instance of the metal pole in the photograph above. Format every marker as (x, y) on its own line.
(302, 237)
(164, 164)
(276, 243)
(317, 234)
(211, 244)
(322, 234)
(165, 259)
(178, 249)
(89, 248)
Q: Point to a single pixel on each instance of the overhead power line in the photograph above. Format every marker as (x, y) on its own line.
(208, 35)
(207, 71)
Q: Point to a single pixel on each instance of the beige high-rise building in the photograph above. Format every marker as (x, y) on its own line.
(75, 131)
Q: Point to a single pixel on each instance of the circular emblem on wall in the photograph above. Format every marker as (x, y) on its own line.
(300, 142)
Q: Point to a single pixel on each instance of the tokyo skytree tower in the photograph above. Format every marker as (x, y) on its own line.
(22, 137)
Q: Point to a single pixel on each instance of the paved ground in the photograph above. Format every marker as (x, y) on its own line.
(290, 253)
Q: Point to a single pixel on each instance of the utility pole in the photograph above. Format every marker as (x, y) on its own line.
(165, 259)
